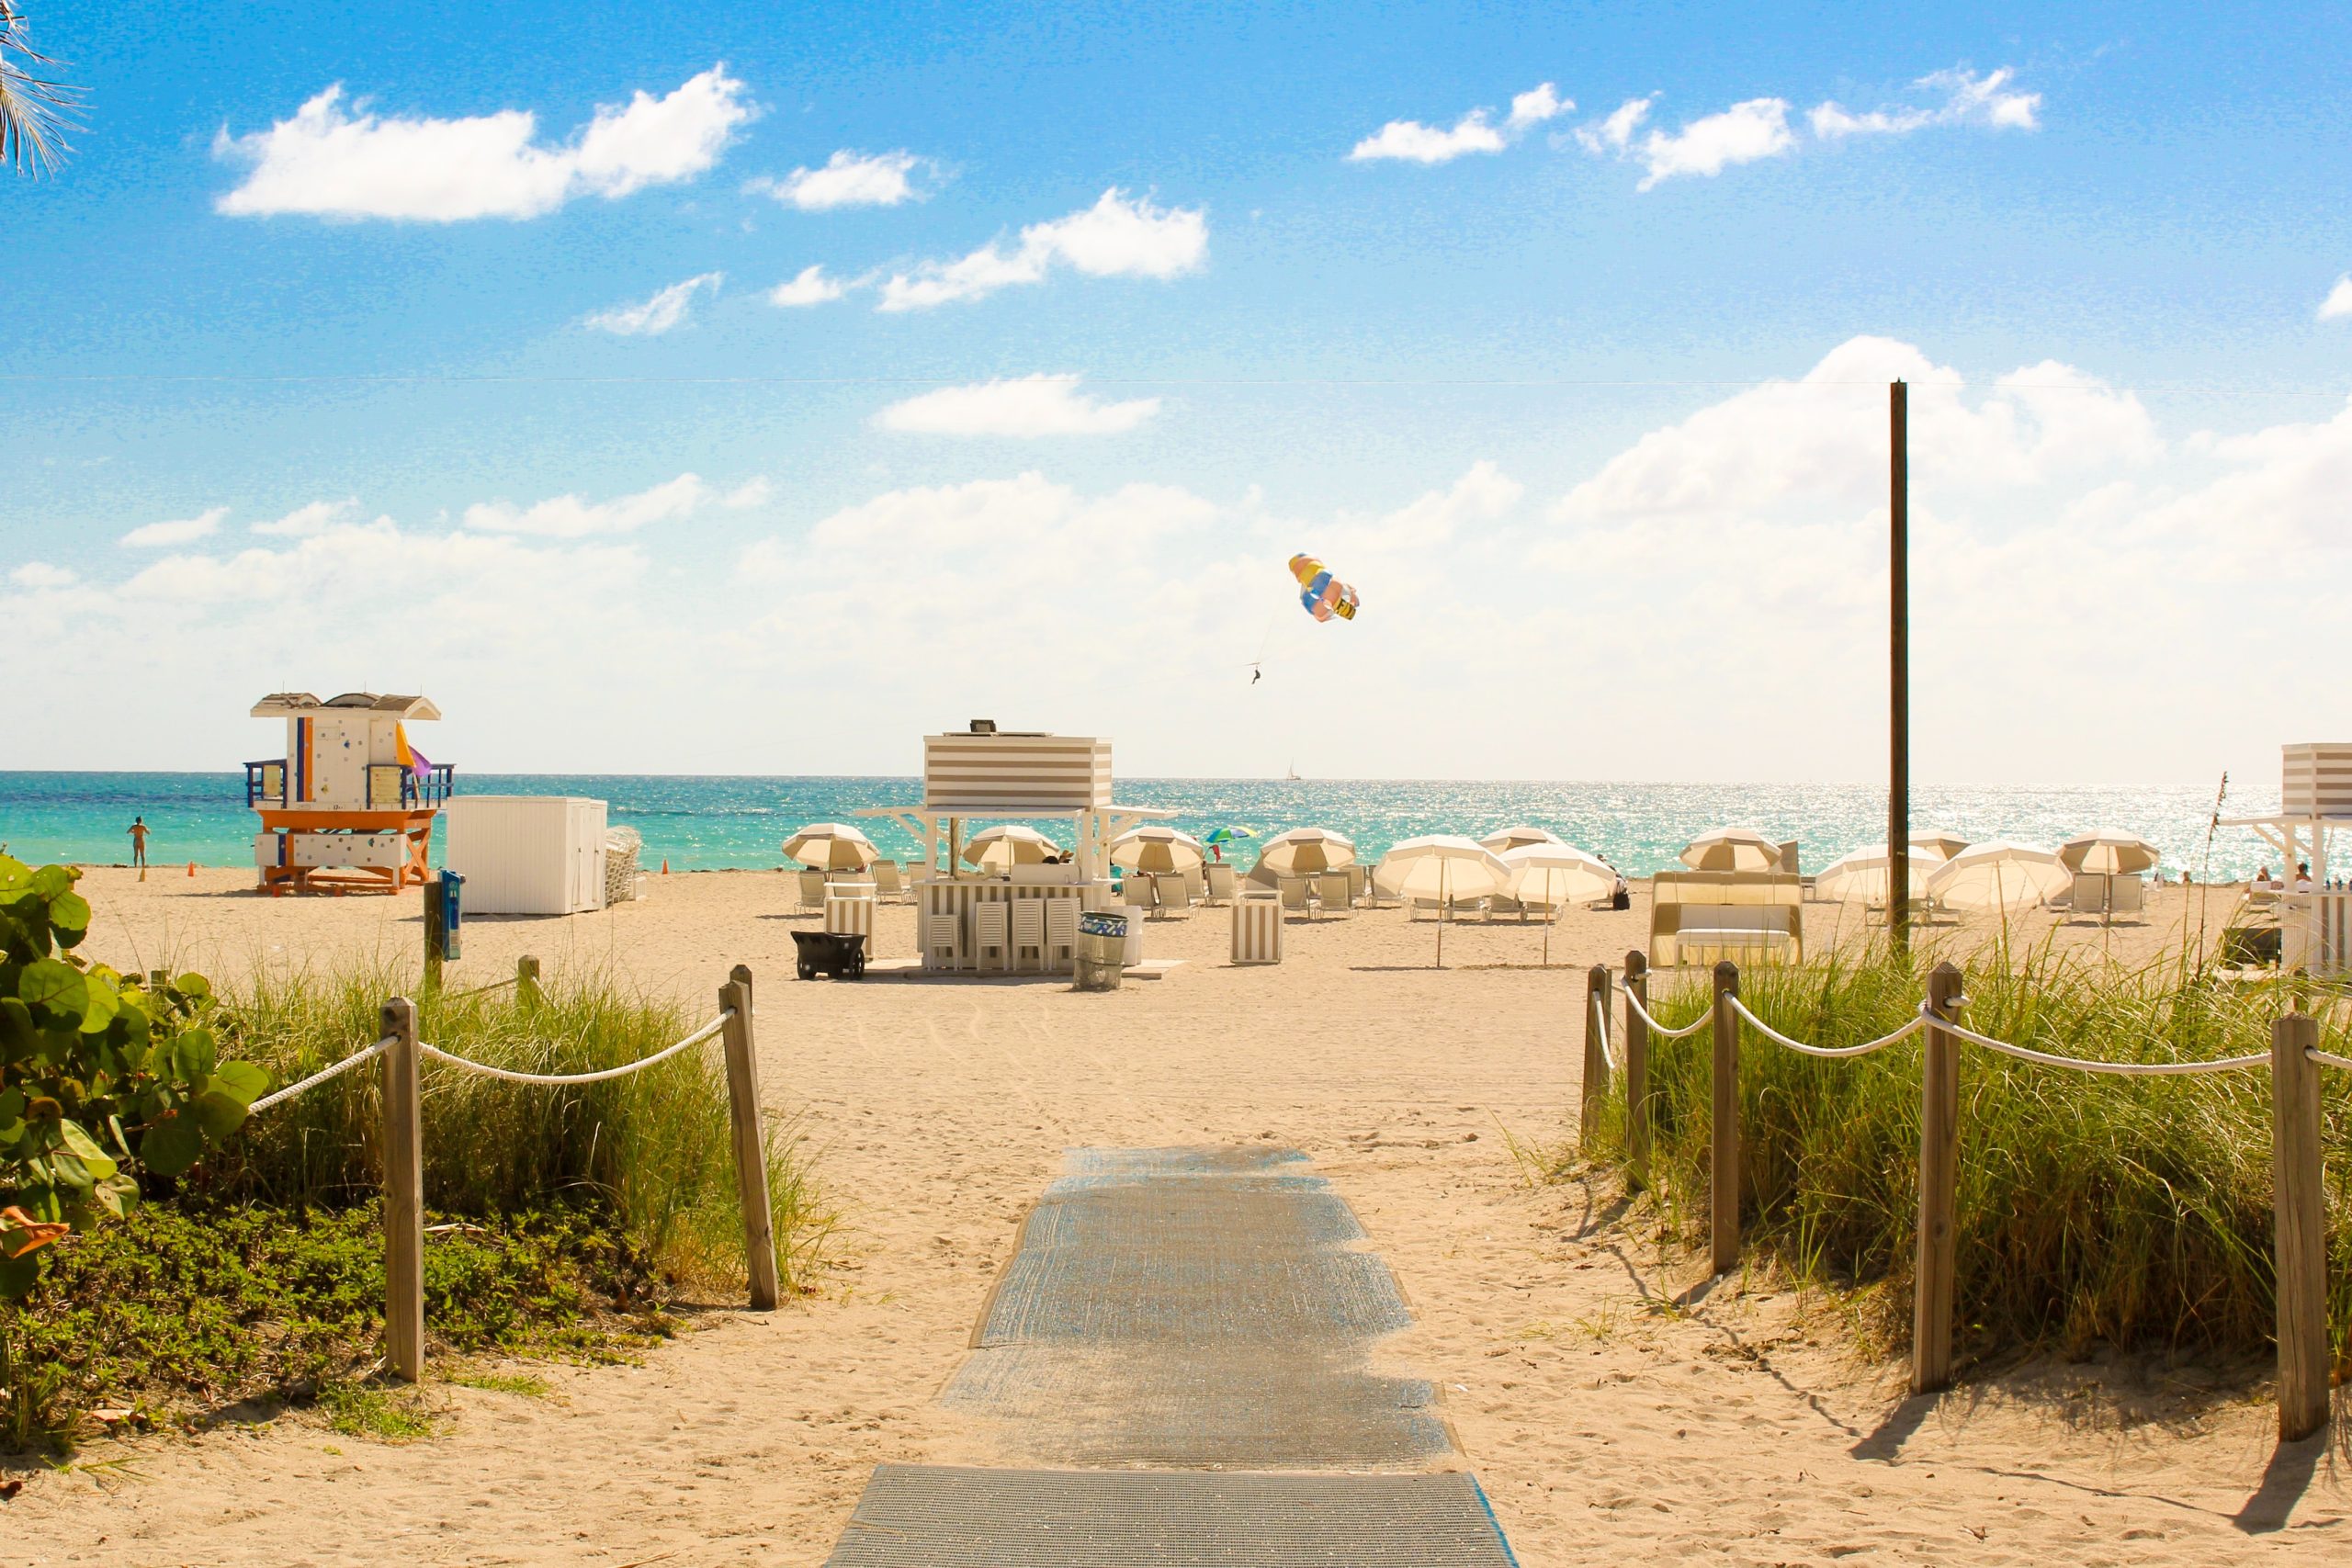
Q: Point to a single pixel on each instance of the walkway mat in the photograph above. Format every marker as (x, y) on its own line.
(938, 1517)
(1196, 1306)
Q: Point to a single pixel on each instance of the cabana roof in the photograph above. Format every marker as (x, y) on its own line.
(290, 705)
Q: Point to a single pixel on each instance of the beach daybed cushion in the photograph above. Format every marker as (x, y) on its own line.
(1698, 917)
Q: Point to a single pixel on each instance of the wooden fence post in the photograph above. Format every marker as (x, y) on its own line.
(2299, 1228)
(437, 937)
(1596, 1055)
(750, 1146)
(1637, 1069)
(1934, 1257)
(1723, 1185)
(526, 983)
(404, 1196)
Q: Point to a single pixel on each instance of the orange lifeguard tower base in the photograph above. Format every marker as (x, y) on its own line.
(342, 812)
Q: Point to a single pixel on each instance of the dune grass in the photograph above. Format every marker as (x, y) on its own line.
(2130, 1212)
(563, 1220)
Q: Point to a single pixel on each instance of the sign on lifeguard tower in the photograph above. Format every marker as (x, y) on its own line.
(351, 805)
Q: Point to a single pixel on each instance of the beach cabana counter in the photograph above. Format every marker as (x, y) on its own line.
(983, 775)
(2316, 800)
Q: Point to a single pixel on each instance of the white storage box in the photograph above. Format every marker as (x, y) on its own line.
(527, 855)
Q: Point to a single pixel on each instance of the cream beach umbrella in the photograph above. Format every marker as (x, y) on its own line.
(1516, 838)
(1862, 876)
(1552, 874)
(1941, 842)
(831, 846)
(1443, 866)
(1303, 851)
(1009, 844)
(1998, 874)
(2108, 852)
(1732, 849)
(1156, 847)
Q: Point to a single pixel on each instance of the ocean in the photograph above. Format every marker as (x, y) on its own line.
(708, 823)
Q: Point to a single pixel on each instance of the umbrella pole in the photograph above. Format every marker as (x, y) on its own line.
(1442, 909)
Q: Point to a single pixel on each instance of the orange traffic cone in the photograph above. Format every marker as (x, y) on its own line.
(191, 868)
(665, 865)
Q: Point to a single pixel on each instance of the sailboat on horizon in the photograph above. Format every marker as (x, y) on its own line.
(1291, 776)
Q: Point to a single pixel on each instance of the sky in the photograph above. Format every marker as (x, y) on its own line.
(755, 389)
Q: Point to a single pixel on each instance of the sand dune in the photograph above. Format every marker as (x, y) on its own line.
(1606, 1426)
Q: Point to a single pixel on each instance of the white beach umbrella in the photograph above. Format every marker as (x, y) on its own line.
(1552, 874)
(1862, 876)
(1941, 842)
(1443, 866)
(831, 846)
(1732, 849)
(1519, 837)
(1998, 874)
(1009, 844)
(1156, 847)
(1305, 851)
(2108, 852)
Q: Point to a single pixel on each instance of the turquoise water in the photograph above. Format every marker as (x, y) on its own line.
(705, 823)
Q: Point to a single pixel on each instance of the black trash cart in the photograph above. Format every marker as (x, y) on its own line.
(840, 954)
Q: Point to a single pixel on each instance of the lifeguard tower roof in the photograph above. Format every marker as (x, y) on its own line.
(291, 704)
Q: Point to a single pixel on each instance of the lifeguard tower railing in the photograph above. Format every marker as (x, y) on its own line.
(391, 788)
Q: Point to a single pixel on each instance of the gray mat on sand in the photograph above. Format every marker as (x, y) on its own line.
(938, 1517)
(1196, 1306)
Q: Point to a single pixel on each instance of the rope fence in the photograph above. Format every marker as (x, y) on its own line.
(2297, 1197)
(404, 1228)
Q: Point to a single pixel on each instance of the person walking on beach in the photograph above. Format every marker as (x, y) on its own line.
(138, 831)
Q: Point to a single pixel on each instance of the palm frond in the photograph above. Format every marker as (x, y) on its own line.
(36, 111)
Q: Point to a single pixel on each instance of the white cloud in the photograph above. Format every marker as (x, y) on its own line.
(809, 286)
(335, 162)
(1740, 134)
(848, 179)
(1612, 133)
(568, 517)
(1410, 141)
(2338, 303)
(1116, 237)
(1969, 99)
(652, 317)
(185, 530)
(1020, 406)
(314, 518)
(753, 491)
(37, 575)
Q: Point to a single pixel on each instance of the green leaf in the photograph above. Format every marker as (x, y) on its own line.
(218, 1115)
(197, 1053)
(55, 985)
(240, 1081)
(117, 1195)
(70, 912)
(98, 1008)
(18, 1276)
(170, 1145)
(84, 1148)
(193, 986)
(50, 881)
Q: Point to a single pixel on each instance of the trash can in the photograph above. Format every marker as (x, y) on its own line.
(1101, 949)
(1257, 926)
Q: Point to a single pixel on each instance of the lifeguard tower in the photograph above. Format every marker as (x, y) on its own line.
(350, 806)
(2315, 797)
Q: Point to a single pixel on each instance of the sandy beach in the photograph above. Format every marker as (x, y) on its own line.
(1606, 1424)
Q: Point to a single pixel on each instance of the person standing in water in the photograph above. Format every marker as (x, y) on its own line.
(138, 831)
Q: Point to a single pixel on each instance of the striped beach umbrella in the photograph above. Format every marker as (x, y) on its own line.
(1732, 849)
(831, 846)
(1009, 844)
(2108, 852)
(1303, 851)
(1156, 847)
(1520, 838)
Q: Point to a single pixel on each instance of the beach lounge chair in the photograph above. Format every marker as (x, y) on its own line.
(1331, 891)
(2089, 896)
(1296, 891)
(812, 891)
(1175, 892)
(1218, 884)
(991, 934)
(1358, 884)
(943, 942)
(888, 882)
(1500, 905)
(1061, 932)
(2126, 895)
(1196, 885)
(1139, 892)
(1028, 930)
(1698, 917)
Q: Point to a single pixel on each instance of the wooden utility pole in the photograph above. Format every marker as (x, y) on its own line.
(1898, 688)
(404, 1195)
(1935, 1264)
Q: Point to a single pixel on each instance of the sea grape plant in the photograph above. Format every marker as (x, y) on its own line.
(103, 1079)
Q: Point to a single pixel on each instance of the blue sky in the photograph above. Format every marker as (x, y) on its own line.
(1506, 390)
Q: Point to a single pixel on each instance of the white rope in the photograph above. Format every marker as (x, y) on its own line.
(1693, 1027)
(696, 1038)
(1867, 1046)
(1601, 1027)
(363, 1055)
(2120, 1069)
(2316, 1055)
